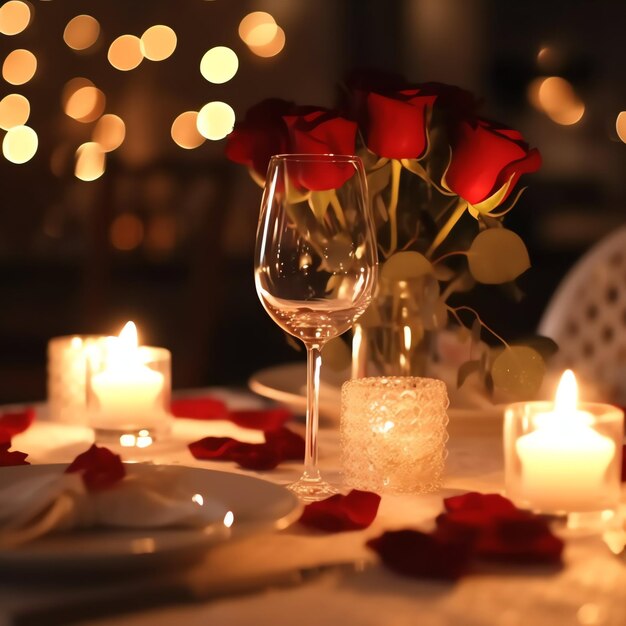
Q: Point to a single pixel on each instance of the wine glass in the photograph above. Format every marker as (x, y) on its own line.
(315, 266)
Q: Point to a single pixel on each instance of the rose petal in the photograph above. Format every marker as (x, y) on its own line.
(15, 422)
(11, 458)
(421, 555)
(268, 419)
(205, 408)
(290, 445)
(280, 445)
(474, 501)
(396, 126)
(100, 468)
(354, 511)
(522, 540)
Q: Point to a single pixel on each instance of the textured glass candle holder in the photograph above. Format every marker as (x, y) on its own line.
(128, 399)
(393, 433)
(67, 375)
(563, 465)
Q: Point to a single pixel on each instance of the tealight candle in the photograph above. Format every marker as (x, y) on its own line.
(129, 385)
(393, 433)
(67, 375)
(563, 457)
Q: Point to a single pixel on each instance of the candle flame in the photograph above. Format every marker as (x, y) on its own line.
(128, 336)
(566, 398)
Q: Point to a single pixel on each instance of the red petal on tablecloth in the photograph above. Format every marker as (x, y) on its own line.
(473, 501)
(11, 458)
(280, 445)
(100, 468)
(421, 555)
(289, 444)
(522, 540)
(266, 419)
(354, 511)
(205, 408)
(15, 422)
(497, 530)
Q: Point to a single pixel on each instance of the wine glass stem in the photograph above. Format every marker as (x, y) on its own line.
(314, 364)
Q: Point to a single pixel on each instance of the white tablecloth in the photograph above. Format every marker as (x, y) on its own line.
(589, 590)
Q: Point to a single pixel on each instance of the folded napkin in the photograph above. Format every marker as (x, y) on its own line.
(94, 492)
(475, 529)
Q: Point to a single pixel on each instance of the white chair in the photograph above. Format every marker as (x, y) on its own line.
(587, 318)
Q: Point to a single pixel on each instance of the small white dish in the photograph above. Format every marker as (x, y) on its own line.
(257, 506)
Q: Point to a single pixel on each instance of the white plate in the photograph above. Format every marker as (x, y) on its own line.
(287, 384)
(257, 506)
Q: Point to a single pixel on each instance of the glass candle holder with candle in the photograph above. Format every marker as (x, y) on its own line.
(563, 458)
(393, 433)
(67, 375)
(128, 390)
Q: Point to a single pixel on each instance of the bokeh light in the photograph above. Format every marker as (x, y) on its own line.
(185, 131)
(215, 120)
(14, 111)
(125, 53)
(158, 43)
(559, 101)
(19, 66)
(90, 161)
(273, 47)
(259, 21)
(161, 234)
(14, 17)
(126, 232)
(85, 104)
(81, 32)
(219, 64)
(620, 125)
(109, 132)
(20, 144)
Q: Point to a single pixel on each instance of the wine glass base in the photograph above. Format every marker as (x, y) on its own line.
(312, 490)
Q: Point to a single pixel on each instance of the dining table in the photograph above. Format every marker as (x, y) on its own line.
(304, 576)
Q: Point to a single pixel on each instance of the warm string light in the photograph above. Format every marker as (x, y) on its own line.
(556, 97)
(14, 111)
(81, 32)
(15, 16)
(19, 66)
(20, 144)
(185, 131)
(215, 120)
(260, 32)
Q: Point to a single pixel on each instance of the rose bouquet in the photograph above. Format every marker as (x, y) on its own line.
(441, 181)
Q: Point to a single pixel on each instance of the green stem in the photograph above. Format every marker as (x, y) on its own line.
(461, 206)
(396, 170)
(334, 202)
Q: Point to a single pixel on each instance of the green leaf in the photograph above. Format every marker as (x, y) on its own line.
(319, 201)
(336, 355)
(465, 370)
(443, 272)
(405, 266)
(518, 371)
(497, 256)
(544, 345)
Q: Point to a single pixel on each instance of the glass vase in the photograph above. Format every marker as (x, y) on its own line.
(397, 334)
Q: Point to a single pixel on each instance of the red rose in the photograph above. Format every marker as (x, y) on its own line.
(321, 132)
(100, 468)
(396, 123)
(261, 134)
(484, 157)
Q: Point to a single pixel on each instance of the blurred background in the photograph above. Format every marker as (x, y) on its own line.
(114, 207)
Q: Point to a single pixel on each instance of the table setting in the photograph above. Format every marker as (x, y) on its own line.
(418, 467)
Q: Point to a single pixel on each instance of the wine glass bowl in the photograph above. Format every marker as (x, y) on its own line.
(315, 265)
